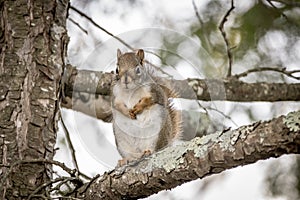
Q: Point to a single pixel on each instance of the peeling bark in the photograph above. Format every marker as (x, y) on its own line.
(198, 158)
(33, 46)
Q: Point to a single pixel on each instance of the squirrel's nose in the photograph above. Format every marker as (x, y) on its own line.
(126, 78)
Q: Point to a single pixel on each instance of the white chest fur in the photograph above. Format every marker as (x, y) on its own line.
(147, 124)
(138, 134)
(135, 136)
(130, 97)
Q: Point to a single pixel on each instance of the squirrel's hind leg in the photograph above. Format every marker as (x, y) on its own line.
(125, 161)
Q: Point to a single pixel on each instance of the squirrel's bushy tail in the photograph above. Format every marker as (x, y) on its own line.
(175, 114)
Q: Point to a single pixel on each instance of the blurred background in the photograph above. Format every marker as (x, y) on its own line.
(184, 39)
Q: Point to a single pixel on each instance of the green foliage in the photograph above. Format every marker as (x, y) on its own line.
(244, 30)
(255, 23)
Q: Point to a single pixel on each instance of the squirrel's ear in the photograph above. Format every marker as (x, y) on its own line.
(140, 54)
(119, 53)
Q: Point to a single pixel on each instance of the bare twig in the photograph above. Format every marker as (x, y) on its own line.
(61, 165)
(262, 69)
(70, 144)
(223, 114)
(73, 153)
(216, 110)
(78, 25)
(222, 30)
(196, 12)
(62, 182)
(288, 3)
(44, 161)
(204, 37)
(116, 37)
(101, 28)
(60, 179)
(157, 68)
(273, 6)
(86, 186)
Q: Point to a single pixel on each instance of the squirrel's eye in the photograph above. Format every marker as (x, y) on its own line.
(117, 69)
(138, 70)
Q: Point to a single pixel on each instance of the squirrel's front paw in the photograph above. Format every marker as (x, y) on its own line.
(132, 114)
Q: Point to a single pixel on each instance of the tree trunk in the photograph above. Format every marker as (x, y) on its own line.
(33, 45)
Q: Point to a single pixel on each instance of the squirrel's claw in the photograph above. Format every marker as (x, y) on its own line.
(132, 114)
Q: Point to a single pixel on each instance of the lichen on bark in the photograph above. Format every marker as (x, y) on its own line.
(292, 121)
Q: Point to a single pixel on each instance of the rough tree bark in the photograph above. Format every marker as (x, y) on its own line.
(199, 158)
(33, 46)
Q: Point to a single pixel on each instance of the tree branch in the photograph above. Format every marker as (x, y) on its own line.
(236, 90)
(36, 161)
(99, 83)
(88, 91)
(78, 25)
(199, 158)
(223, 32)
(197, 13)
(292, 3)
(73, 152)
(101, 28)
(272, 69)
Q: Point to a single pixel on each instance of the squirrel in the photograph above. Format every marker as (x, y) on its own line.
(144, 120)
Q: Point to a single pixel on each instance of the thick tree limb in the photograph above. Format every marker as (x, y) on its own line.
(235, 90)
(99, 83)
(199, 158)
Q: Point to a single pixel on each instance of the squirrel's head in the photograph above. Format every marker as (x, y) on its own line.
(130, 69)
